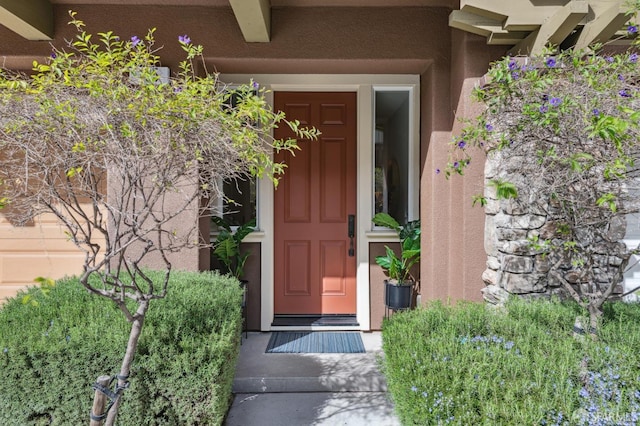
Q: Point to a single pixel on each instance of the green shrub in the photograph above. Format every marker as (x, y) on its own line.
(52, 351)
(468, 364)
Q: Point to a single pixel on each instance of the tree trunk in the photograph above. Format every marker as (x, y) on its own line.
(99, 401)
(594, 315)
(132, 344)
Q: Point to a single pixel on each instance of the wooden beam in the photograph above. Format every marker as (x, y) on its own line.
(507, 38)
(553, 30)
(517, 15)
(606, 19)
(473, 23)
(31, 19)
(254, 19)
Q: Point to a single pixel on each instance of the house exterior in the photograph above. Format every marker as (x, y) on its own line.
(385, 81)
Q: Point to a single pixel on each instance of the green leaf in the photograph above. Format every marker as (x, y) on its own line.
(504, 189)
(479, 199)
(384, 219)
(608, 200)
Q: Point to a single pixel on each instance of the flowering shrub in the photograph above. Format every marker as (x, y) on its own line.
(563, 131)
(468, 365)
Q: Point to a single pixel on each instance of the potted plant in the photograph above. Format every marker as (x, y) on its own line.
(226, 248)
(399, 287)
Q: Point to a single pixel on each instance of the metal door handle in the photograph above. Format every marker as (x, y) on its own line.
(351, 233)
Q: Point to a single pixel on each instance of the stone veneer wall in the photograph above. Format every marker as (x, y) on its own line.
(513, 266)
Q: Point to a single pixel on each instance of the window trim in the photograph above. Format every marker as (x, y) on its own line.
(413, 150)
(363, 85)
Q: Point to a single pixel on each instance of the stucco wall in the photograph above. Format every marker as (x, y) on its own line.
(412, 40)
(453, 255)
(40, 249)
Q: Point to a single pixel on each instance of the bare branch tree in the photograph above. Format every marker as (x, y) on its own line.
(122, 158)
(563, 132)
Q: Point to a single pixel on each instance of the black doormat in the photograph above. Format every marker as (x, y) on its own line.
(297, 342)
(319, 320)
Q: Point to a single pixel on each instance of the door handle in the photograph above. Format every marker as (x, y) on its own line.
(351, 233)
(352, 225)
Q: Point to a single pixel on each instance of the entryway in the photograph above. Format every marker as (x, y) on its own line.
(310, 389)
(315, 211)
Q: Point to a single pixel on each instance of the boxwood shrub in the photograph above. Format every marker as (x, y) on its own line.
(54, 347)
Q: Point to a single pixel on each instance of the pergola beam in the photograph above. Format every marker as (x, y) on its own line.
(476, 24)
(554, 30)
(608, 19)
(530, 25)
(254, 19)
(31, 19)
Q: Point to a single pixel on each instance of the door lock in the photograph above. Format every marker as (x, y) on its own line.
(351, 233)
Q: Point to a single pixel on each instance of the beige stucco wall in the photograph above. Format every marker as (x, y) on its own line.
(40, 249)
(453, 255)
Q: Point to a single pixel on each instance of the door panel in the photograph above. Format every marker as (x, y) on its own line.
(314, 273)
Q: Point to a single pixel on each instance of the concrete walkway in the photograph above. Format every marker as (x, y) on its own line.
(309, 389)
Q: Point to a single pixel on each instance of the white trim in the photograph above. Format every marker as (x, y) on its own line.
(363, 85)
(413, 176)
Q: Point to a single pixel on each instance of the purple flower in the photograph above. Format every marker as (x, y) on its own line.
(456, 164)
(255, 85)
(515, 75)
(624, 93)
(620, 77)
(608, 59)
(135, 41)
(512, 65)
(633, 57)
(596, 112)
(177, 89)
(437, 171)
(461, 144)
(489, 127)
(555, 102)
(184, 39)
(543, 109)
(632, 29)
(53, 55)
(551, 62)
(545, 97)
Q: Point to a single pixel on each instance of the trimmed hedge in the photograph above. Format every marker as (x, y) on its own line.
(51, 352)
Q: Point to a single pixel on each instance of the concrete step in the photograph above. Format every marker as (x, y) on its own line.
(310, 389)
(260, 372)
(318, 409)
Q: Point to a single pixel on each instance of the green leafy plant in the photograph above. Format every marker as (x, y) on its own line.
(226, 247)
(471, 365)
(561, 132)
(95, 137)
(398, 267)
(52, 351)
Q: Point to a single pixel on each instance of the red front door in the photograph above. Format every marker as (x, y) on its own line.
(315, 270)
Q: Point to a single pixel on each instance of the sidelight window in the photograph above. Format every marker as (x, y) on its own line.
(393, 153)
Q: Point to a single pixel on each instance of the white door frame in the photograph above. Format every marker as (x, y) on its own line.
(363, 85)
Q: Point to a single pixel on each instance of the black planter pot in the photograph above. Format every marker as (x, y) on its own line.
(398, 297)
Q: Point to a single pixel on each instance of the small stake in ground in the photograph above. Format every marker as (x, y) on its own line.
(99, 400)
